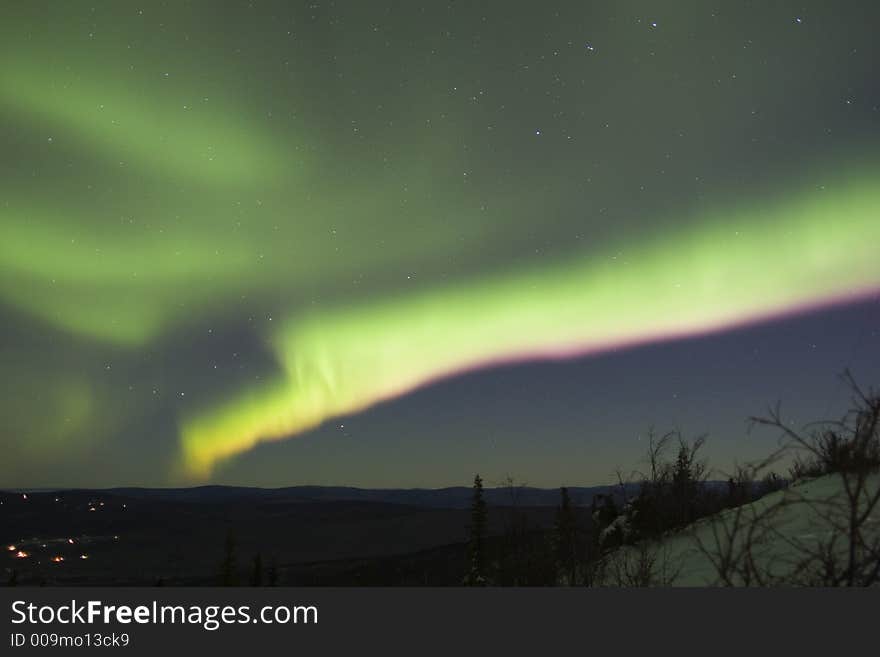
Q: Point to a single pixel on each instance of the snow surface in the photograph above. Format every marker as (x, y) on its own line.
(786, 524)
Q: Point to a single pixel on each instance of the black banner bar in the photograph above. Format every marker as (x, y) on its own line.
(453, 621)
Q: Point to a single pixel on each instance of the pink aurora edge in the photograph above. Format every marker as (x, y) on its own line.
(579, 350)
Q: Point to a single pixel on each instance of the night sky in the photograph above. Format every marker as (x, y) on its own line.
(396, 243)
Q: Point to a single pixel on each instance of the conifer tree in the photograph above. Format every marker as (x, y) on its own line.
(229, 566)
(476, 576)
(565, 539)
(272, 573)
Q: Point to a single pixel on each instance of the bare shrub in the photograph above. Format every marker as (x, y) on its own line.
(842, 547)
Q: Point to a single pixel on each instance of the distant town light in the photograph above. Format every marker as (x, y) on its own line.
(57, 559)
(83, 556)
(21, 554)
(70, 540)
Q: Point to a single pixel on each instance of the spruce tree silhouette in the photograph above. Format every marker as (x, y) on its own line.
(476, 576)
(272, 573)
(229, 566)
(565, 540)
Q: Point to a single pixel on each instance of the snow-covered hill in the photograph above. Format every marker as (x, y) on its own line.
(793, 536)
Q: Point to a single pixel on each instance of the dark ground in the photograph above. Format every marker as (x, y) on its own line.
(311, 535)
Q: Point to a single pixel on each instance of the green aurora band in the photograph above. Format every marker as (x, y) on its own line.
(736, 267)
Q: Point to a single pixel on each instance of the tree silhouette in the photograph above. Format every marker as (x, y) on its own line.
(688, 476)
(565, 539)
(229, 565)
(476, 576)
(272, 573)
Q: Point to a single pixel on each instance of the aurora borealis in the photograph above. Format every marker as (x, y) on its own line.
(254, 245)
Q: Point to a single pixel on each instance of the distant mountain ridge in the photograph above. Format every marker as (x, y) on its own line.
(456, 497)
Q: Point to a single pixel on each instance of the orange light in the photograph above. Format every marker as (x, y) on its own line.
(12, 548)
(57, 559)
(21, 554)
